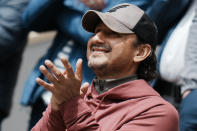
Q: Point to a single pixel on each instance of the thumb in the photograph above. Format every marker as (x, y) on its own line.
(79, 70)
(84, 89)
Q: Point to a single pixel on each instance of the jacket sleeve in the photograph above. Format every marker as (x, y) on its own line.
(71, 116)
(51, 121)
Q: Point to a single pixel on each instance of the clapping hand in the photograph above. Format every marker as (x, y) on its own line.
(64, 86)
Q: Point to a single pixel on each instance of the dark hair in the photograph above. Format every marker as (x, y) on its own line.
(147, 69)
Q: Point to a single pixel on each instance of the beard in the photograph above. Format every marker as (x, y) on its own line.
(97, 62)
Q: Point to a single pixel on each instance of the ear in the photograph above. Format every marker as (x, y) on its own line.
(142, 52)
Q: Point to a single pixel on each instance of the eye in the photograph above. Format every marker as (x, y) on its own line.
(112, 34)
(97, 30)
(116, 34)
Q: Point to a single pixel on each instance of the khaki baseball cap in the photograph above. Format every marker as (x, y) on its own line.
(123, 18)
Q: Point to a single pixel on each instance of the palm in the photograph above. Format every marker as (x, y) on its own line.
(64, 86)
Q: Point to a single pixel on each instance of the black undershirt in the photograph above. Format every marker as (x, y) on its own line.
(104, 85)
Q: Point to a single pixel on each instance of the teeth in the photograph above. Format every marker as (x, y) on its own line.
(99, 49)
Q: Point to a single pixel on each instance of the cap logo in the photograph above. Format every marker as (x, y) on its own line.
(116, 8)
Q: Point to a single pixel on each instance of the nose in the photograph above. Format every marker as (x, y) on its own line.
(98, 38)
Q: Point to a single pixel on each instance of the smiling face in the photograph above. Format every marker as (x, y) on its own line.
(110, 54)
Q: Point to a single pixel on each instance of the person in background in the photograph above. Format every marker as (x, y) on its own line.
(178, 67)
(12, 42)
(188, 115)
(122, 55)
(71, 39)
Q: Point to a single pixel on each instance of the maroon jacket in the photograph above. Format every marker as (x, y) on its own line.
(132, 106)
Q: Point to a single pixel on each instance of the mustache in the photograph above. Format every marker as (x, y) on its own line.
(103, 46)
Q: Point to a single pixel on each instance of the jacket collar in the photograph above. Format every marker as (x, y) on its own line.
(128, 90)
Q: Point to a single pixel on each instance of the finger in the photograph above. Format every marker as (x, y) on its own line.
(47, 74)
(102, 3)
(69, 69)
(55, 70)
(89, 3)
(79, 70)
(95, 4)
(44, 84)
(85, 2)
(84, 89)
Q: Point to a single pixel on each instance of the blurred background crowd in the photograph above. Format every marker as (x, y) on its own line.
(34, 30)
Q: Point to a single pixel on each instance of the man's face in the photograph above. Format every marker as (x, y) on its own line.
(110, 53)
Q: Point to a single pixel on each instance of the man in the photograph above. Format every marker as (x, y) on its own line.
(121, 53)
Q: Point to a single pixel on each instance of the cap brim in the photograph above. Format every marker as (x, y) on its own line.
(92, 18)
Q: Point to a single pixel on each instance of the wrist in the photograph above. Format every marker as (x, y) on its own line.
(186, 93)
(54, 104)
